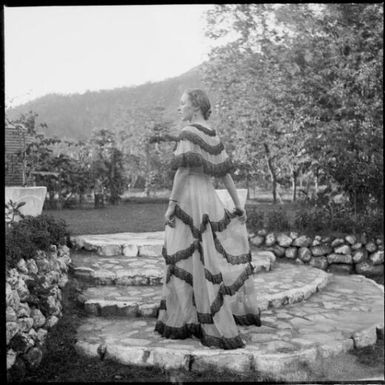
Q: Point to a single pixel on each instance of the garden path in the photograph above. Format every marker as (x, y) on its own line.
(307, 314)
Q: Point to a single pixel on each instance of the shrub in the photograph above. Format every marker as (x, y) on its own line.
(255, 219)
(25, 237)
(277, 220)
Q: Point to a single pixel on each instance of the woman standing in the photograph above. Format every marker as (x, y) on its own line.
(208, 288)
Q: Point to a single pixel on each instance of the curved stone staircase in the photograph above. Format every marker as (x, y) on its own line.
(307, 313)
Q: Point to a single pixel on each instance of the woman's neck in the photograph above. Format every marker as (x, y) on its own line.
(200, 121)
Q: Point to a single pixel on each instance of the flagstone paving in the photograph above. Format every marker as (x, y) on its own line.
(346, 314)
(285, 284)
(139, 270)
(307, 314)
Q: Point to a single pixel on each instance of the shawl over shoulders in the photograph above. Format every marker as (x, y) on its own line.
(199, 146)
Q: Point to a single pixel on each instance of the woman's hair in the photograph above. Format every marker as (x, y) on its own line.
(200, 99)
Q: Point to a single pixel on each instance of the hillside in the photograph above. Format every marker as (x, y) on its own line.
(74, 116)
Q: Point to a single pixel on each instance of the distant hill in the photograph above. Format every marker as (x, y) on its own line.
(74, 116)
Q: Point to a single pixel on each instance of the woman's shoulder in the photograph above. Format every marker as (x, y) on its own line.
(199, 128)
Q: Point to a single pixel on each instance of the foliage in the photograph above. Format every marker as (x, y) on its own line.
(277, 220)
(299, 90)
(30, 234)
(12, 211)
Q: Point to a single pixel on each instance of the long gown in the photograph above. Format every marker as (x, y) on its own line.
(208, 287)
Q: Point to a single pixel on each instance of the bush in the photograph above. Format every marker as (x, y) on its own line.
(25, 237)
(277, 220)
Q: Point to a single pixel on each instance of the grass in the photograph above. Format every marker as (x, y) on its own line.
(134, 215)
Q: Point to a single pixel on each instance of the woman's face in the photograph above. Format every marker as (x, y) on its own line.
(186, 109)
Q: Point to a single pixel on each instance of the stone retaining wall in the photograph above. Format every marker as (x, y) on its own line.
(350, 254)
(34, 304)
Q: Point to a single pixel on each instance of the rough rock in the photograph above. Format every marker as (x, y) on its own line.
(51, 322)
(344, 249)
(11, 358)
(371, 247)
(284, 240)
(341, 268)
(22, 266)
(41, 336)
(8, 293)
(357, 246)
(262, 232)
(270, 239)
(377, 258)
(368, 269)
(12, 328)
(43, 265)
(13, 277)
(293, 235)
(360, 255)
(239, 363)
(63, 280)
(38, 318)
(278, 251)
(10, 314)
(319, 262)
(23, 310)
(32, 267)
(129, 250)
(258, 240)
(291, 252)
(15, 300)
(340, 258)
(299, 262)
(304, 254)
(367, 337)
(337, 242)
(25, 324)
(326, 240)
(109, 250)
(33, 357)
(302, 241)
(150, 250)
(319, 251)
(351, 239)
(316, 242)
(379, 241)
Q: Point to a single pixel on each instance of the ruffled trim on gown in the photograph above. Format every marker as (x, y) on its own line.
(208, 287)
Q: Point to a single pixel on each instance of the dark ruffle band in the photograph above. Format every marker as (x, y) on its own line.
(247, 319)
(203, 129)
(192, 159)
(233, 259)
(179, 273)
(230, 290)
(182, 254)
(189, 330)
(196, 139)
(218, 226)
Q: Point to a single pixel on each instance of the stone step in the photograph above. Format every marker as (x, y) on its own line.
(347, 314)
(137, 271)
(127, 244)
(286, 284)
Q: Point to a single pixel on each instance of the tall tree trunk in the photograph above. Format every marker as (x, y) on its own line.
(271, 171)
(147, 183)
(294, 175)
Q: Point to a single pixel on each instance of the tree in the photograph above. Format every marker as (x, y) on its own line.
(303, 85)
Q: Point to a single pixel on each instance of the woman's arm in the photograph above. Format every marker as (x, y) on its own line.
(230, 186)
(179, 181)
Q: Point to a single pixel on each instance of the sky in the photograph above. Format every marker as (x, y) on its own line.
(73, 49)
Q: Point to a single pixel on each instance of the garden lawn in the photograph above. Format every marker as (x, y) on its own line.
(136, 217)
